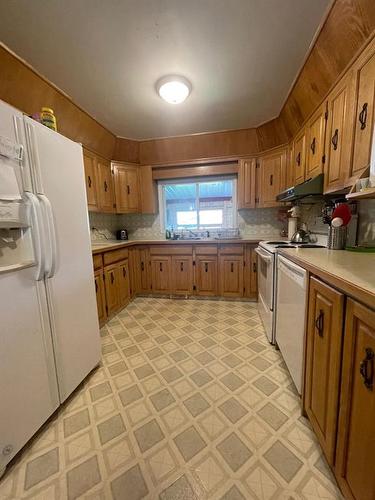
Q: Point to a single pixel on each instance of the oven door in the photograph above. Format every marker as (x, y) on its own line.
(265, 290)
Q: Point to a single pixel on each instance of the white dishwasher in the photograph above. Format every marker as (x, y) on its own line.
(290, 316)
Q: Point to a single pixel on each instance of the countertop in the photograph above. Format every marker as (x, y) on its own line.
(353, 273)
(98, 247)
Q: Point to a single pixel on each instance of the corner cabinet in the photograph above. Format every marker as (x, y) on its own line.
(271, 177)
(355, 464)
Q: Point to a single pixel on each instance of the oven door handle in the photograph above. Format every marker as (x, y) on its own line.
(263, 256)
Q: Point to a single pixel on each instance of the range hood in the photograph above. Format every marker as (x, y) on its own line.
(311, 187)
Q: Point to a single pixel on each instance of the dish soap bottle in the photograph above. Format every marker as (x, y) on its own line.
(48, 118)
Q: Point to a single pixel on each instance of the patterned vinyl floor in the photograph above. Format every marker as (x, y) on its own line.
(190, 402)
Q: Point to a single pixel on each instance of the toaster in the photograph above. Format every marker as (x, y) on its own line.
(122, 234)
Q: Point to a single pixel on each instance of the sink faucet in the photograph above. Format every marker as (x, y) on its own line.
(194, 235)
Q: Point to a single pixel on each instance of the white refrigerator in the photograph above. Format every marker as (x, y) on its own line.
(49, 331)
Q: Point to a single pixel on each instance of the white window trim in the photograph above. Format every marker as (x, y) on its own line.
(192, 180)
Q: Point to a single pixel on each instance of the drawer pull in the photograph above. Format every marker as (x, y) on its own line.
(319, 323)
(312, 146)
(363, 116)
(335, 139)
(366, 368)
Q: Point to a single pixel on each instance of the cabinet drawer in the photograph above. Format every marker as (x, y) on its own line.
(206, 250)
(97, 261)
(233, 249)
(171, 250)
(115, 256)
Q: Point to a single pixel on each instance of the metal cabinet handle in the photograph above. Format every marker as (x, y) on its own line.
(124, 272)
(271, 179)
(112, 278)
(96, 286)
(231, 267)
(89, 180)
(206, 267)
(363, 116)
(254, 267)
(313, 146)
(105, 186)
(319, 323)
(298, 159)
(142, 266)
(366, 368)
(181, 266)
(335, 139)
(128, 189)
(161, 266)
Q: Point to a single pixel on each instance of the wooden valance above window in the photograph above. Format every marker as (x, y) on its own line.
(205, 170)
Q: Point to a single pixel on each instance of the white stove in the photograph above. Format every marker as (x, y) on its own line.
(267, 282)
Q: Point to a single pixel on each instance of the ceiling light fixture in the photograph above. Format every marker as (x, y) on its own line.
(173, 89)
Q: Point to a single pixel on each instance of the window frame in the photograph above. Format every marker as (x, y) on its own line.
(197, 180)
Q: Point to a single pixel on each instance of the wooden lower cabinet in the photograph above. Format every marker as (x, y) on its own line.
(182, 274)
(144, 271)
(323, 362)
(161, 273)
(355, 462)
(123, 282)
(100, 296)
(206, 275)
(250, 272)
(231, 274)
(111, 288)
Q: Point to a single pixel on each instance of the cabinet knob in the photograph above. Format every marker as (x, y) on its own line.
(319, 323)
(366, 368)
(335, 139)
(363, 116)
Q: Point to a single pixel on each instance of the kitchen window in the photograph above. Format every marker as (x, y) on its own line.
(208, 203)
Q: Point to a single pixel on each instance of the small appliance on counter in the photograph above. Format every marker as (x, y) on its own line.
(122, 234)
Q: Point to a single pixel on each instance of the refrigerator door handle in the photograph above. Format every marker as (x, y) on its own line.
(34, 158)
(51, 235)
(38, 239)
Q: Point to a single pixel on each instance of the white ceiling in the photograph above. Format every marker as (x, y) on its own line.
(241, 57)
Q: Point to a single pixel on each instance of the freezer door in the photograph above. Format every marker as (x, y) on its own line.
(28, 384)
(57, 163)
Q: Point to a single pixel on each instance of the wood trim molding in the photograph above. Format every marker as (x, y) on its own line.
(194, 171)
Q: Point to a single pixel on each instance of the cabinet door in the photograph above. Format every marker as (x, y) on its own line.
(315, 136)
(132, 189)
(161, 274)
(355, 464)
(111, 289)
(100, 297)
(124, 282)
(182, 274)
(323, 357)
(299, 157)
(206, 275)
(339, 135)
(364, 121)
(126, 188)
(89, 162)
(272, 178)
(247, 183)
(290, 173)
(106, 200)
(144, 270)
(250, 273)
(231, 273)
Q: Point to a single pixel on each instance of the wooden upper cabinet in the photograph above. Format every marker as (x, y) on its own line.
(126, 187)
(290, 173)
(271, 177)
(299, 156)
(247, 183)
(323, 363)
(106, 199)
(355, 464)
(364, 121)
(315, 137)
(339, 136)
(182, 274)
(89, 162)
(206, 275)
(148, 191)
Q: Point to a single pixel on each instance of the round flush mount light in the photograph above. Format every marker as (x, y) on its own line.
(173, 89)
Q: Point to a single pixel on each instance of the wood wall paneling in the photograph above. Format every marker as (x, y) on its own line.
(127, 150)
(24, 89)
